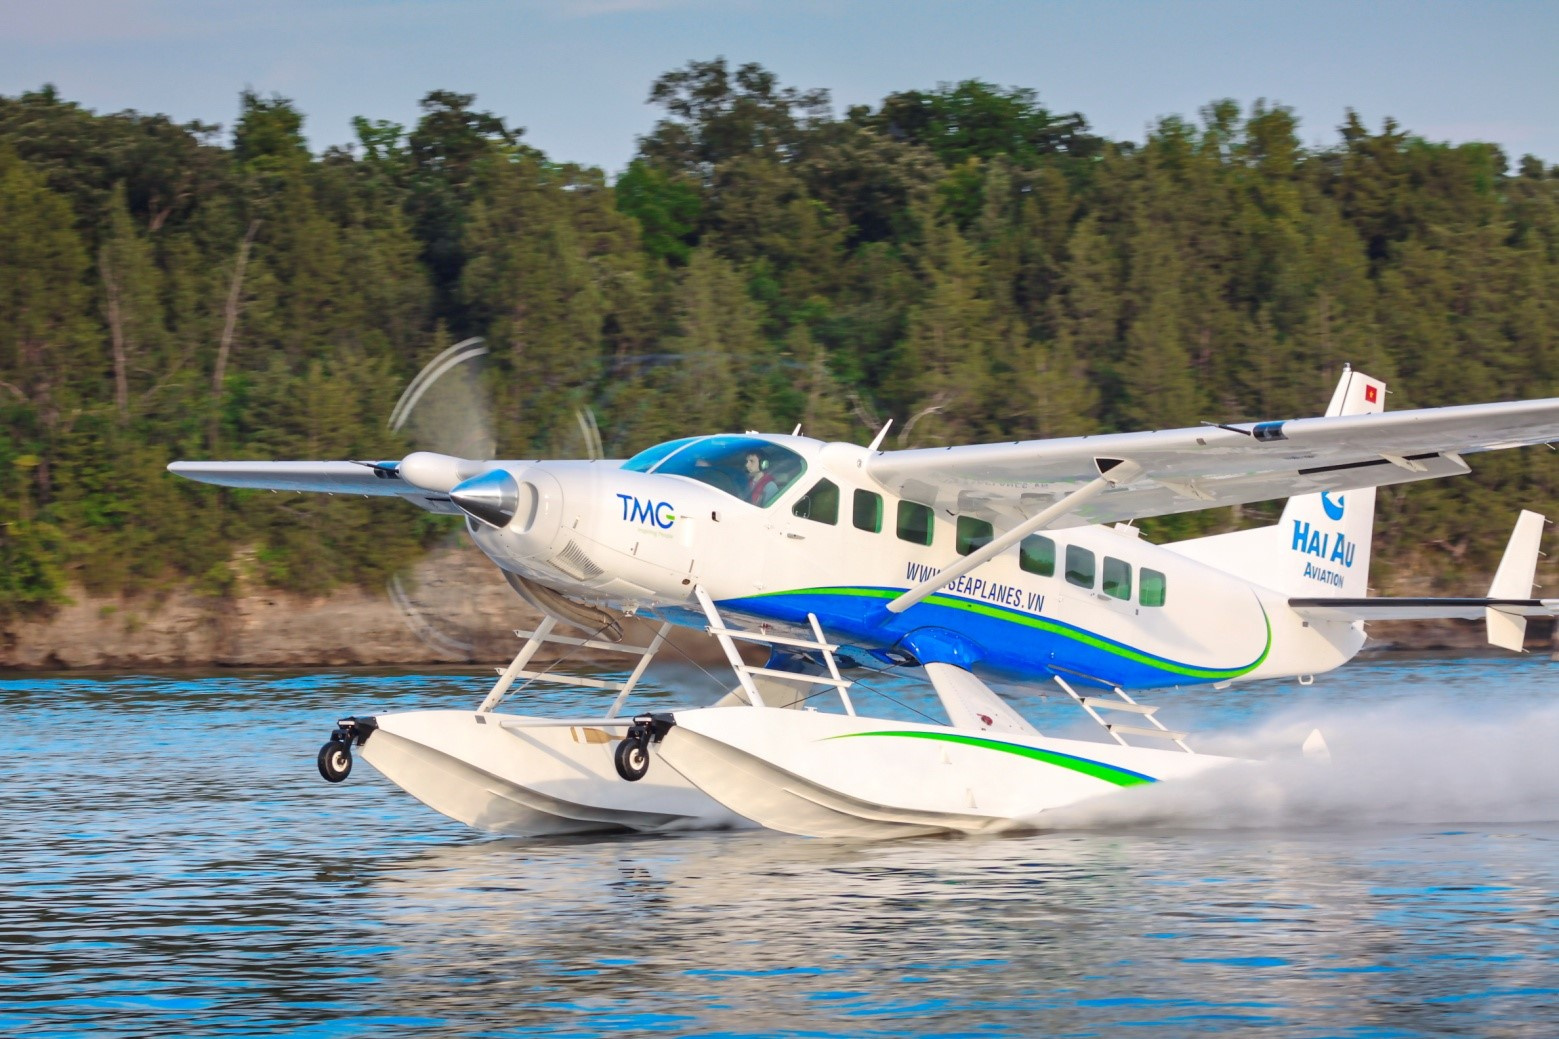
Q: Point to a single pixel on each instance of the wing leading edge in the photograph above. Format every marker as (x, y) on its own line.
(377, 479)
(1211, 466)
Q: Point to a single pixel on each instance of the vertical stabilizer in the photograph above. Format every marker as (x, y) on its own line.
(1321, 545)
(1325, 538)
(1514, 580)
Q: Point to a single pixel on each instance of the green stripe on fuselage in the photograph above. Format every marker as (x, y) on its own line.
(1029, 620)
(1087, 766)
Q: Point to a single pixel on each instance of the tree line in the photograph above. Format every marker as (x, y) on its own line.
(960, 259)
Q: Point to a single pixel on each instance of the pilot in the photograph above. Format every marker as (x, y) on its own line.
(761, 488)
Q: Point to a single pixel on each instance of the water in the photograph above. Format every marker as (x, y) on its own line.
(173, 865)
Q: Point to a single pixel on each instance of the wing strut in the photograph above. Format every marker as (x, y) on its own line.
(1112, 474)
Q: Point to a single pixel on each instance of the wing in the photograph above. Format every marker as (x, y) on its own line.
(1210, 466)
(379, 479)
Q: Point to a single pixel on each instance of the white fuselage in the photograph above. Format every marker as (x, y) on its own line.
(1112, 609)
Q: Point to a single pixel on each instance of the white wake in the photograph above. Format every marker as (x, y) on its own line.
(1406, 763)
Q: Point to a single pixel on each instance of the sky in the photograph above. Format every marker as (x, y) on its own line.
(576, 73)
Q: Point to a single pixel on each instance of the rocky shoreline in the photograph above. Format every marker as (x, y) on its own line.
(453, 610)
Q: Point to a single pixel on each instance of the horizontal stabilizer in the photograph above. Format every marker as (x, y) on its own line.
(1504, 610)
(1384, 608)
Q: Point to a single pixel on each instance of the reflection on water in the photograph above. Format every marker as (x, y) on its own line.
(174, 866)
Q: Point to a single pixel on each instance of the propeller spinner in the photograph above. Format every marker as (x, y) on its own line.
(494, 497)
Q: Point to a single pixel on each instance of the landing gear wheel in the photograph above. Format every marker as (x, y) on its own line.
(335, 761)
(632, 758)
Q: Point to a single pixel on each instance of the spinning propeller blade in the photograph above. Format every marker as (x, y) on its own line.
(446, 413)
(446, 408)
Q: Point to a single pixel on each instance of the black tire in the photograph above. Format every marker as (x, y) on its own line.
(632, 758)
(335, 761)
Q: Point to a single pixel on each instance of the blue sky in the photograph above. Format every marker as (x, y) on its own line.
(575, 73)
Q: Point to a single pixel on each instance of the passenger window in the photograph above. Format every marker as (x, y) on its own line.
(1037, 555)
(1117, 578)
(914, 523)
(972, 534)
(867, 513)
(1153, 589)
(820, 504)
(1079, 566)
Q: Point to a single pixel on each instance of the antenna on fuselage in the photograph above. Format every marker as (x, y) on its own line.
(877, 440)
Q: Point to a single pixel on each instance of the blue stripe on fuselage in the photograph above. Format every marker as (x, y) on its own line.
(1018, 644)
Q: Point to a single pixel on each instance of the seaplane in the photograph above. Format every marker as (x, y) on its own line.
(1016, 564)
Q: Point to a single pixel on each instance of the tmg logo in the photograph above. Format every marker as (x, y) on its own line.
(659, 513)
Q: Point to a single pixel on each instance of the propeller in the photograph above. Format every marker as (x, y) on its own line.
(446, 408)
(446, 412)
(591, 432)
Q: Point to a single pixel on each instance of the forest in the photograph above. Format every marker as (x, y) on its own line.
(959, 259)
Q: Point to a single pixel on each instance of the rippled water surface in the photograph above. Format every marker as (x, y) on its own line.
(173, 865)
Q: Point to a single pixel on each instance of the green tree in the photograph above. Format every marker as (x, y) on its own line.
(531, 286)
(717, 371)
(130, 286)
(714, 115)
(449, 148)
(959, 258)
(46, 336)
(942, 374)
(866, 177)
(977, 120)
(666, 207)
(269, 134)
(825, 413)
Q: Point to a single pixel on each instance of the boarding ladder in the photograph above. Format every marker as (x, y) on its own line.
(1094, 704)
(745, 673)
(543, 635)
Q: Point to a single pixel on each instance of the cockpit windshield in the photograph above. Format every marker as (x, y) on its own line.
(645, 460)
(753, 470)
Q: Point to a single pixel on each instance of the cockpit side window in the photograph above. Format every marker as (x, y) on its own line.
(756, 471)
(820, 504)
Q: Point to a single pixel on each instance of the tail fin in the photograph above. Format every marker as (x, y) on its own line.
(1325, 538)
(1321, 545)
(1514, 580)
